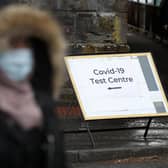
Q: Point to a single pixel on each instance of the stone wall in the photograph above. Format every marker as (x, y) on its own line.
(91, 26)
(94, 25)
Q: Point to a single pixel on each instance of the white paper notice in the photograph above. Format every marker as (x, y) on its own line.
(113, 86)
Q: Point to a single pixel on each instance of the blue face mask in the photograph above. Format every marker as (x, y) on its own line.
(17, 64)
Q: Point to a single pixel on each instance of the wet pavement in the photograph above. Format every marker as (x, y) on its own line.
(117, 144)
(143, 162)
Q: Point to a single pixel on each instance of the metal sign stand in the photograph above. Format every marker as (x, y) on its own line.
(147, 127)
(85, 125)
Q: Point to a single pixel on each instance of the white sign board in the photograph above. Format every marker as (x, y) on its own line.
(117, 86)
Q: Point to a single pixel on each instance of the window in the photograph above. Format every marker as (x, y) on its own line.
(158, 2)
(150, 2)
(142, 1)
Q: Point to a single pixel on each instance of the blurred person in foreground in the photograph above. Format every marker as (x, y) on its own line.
(31, 56)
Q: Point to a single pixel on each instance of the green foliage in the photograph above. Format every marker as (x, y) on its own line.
(106, 23)
(116, 34)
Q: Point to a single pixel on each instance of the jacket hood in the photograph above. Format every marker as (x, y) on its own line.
(25, 21)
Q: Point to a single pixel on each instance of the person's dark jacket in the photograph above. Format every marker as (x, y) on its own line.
(42, 147)
(36, 148)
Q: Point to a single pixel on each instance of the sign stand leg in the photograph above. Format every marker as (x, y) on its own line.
(85, 126)
(147, 127)
(91, 136)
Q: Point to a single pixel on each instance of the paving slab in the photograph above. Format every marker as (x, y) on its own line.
(139, 162)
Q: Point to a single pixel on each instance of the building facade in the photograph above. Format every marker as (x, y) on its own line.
(91, 26)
